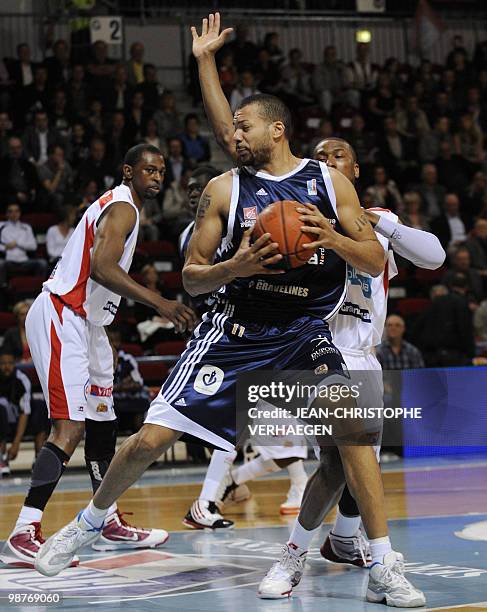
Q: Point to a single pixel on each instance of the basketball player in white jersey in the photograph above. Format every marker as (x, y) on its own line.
(74, 359)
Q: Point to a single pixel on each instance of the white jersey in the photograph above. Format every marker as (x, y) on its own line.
(359, 324)
(70, 279)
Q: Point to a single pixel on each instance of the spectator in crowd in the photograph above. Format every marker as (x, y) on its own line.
(95, 120)
(60, 117)
(361, 75)
(451, 169)
(413, 215)
(136, 118)
(15, 397)
(412, 122)
(328, 79)
(77, 91)
(196, 147)
(58, 65)
(227, 72)
(477, 247)
(325, 130)
(380, 102)
(395, 152)
(271, 45)
(267, 74)
(15, 340)
(432, 193)
(135, 65)
(176, 163)
(462, 264)
(56, 176)
(458, 47)
(21, 70)
(19, 179)
(384, 190)
(100, 68)
(475, 194)
(363, 142)
(150, 87)
(175, 210)
(480, 321)
(168, 119)
(58, 235)
(89, 193)
(295, 85)
(119, 93)
(244, 51)
(451, 226)
(444, 332)
(394, 353)
(78, 144)
(442, 107)
(245, 87)
(117, 141)
(150, 217)
(129, 393)
(17, 241)
(38, 137)
(476, 107)
(151, 135)
(36, 96)
(152, 328)
(96, 167)
(5, 131)
(468, 143)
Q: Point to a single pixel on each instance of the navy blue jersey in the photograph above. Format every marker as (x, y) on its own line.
(316, 288)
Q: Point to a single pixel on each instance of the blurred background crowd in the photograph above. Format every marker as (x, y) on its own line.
(418, 131)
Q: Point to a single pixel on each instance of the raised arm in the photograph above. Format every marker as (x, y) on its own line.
(216, 105)
(200, 274)
(110, 238)
(360, 247)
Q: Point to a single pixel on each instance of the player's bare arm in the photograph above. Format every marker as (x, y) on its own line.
(359, 247)
(200, 275)
(108, 248)
(216, 105)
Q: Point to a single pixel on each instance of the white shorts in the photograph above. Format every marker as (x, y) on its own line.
(73, 359)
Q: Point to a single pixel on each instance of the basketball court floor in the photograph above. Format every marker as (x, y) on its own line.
(438, 511)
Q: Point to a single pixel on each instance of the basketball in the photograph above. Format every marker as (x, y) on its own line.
(281, 220)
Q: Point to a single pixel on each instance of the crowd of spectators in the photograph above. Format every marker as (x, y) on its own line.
(418, 131)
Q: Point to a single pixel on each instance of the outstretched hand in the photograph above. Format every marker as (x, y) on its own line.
(211, 39)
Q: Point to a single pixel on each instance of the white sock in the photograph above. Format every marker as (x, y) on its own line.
(301, 537)
(112, 509)
(220, 463)
(254, 469)
(297, 473)
(28, 515)
(93, 516)
(346, 526)
(379, 548)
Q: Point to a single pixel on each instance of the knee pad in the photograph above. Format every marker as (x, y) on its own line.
(101, 439)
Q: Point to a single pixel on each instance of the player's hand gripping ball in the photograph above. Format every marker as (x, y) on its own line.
(282, 221)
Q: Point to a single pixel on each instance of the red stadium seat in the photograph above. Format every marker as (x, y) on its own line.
(175, 347)
(40, 222)
(153, 372)
(132, 348)
(7, 320)
(171, 280)
(412, 306)
(156, 248)
(21, 287)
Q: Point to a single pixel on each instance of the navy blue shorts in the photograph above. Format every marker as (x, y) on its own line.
(199, 396)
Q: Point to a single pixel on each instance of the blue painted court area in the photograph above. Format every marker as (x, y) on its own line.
(220, 572)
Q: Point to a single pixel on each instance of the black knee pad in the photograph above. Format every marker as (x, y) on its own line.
(347, 504)
(100, 439)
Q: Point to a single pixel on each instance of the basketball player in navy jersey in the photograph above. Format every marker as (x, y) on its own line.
(218, 112)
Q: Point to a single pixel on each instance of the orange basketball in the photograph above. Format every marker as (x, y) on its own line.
(281, 221)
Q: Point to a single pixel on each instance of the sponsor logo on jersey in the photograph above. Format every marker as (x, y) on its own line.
(362, 280)
(102, 408)
(321, 369)
(324, 350)
(208, 380)
(111, 307)
(180, 402)
(101, 391)
(312, 189)
(289, 289)
(261, 192)
(318, 258)
(105, 198)
(250, 213)
(353, 310)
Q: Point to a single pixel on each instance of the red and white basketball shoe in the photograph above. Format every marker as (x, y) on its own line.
(118, 534)
(21, 548)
